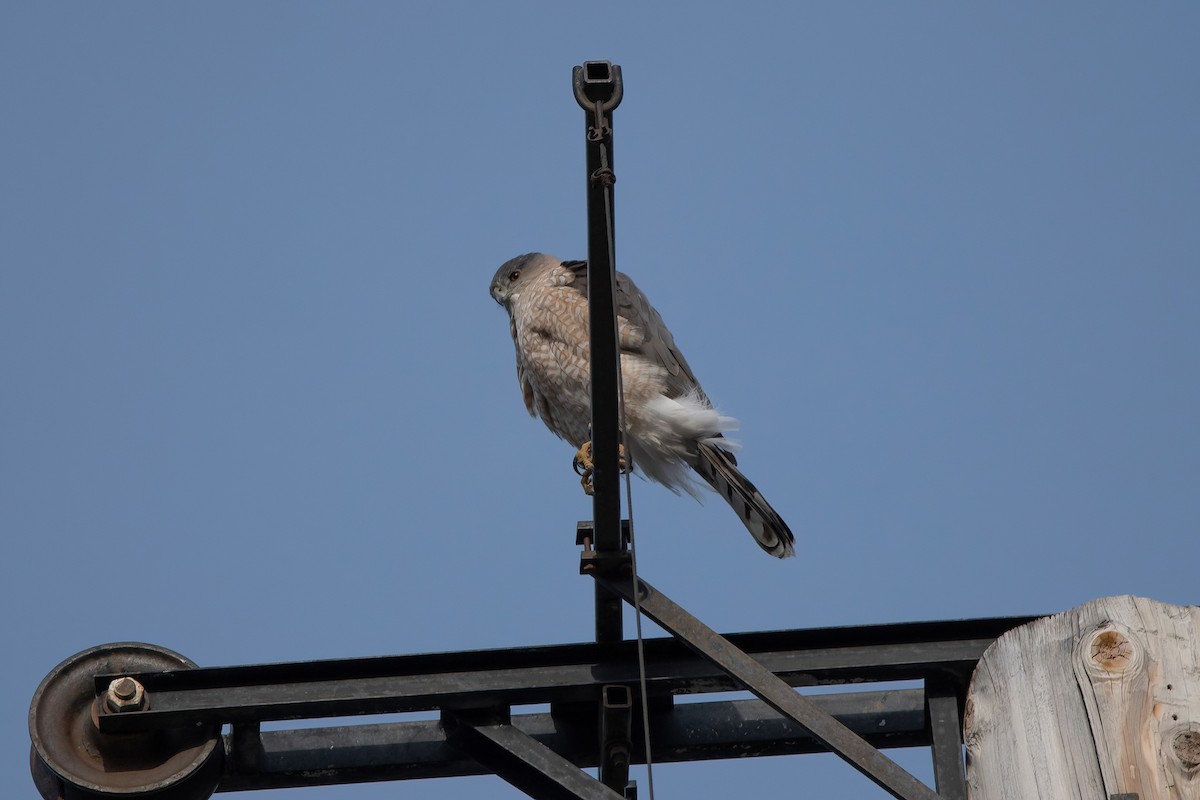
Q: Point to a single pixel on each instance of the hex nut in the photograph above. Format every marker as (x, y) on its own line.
(125, 694)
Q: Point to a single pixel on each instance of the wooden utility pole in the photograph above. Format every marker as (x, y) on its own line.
(1099, 702)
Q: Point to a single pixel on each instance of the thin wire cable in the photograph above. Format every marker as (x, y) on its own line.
(637, 619)
(637, 605)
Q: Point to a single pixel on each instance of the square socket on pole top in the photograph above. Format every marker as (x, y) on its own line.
(598, 82)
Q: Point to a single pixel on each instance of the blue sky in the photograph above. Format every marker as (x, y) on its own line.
(943, 261)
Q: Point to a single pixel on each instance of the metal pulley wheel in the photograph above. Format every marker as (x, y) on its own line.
(72, 760)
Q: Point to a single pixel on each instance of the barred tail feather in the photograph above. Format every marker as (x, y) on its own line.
(719, 469)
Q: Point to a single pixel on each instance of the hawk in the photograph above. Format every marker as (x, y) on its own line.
(672, 428)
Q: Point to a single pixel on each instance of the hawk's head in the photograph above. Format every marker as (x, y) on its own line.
(516, 273)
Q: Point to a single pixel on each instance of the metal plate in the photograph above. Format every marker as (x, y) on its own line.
(172, 764)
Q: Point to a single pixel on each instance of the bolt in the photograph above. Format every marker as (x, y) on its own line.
(618, 754)
(125, 694)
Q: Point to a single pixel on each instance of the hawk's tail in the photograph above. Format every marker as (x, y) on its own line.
(719, 468)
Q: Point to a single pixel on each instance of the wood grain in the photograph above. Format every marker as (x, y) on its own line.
(1099, 701)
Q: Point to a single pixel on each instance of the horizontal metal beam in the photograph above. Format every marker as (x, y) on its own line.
(555, 674)
(775, 692)
(687, 732)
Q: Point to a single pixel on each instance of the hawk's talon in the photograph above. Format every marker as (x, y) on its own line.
(584, 467)
(583, 459)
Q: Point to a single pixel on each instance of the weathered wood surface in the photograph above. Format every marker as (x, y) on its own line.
(1100, 701)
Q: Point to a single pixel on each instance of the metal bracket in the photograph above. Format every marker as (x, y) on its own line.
(710, 645)
(602, 562)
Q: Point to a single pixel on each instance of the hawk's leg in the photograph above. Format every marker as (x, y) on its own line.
(584, 467)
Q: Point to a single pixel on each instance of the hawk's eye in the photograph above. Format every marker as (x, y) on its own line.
(516, 273)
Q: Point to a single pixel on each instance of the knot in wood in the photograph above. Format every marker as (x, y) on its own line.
(1112, 650)
(1187, 749)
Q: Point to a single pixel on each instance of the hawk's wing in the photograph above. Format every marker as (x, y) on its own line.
(642, 331)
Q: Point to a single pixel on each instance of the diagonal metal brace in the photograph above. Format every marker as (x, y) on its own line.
(520, 759)
(773, 691)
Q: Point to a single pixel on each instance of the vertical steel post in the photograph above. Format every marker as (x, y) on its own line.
(945, 733)
(598, 91)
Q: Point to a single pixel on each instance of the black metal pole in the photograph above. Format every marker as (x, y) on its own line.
(598, 90)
